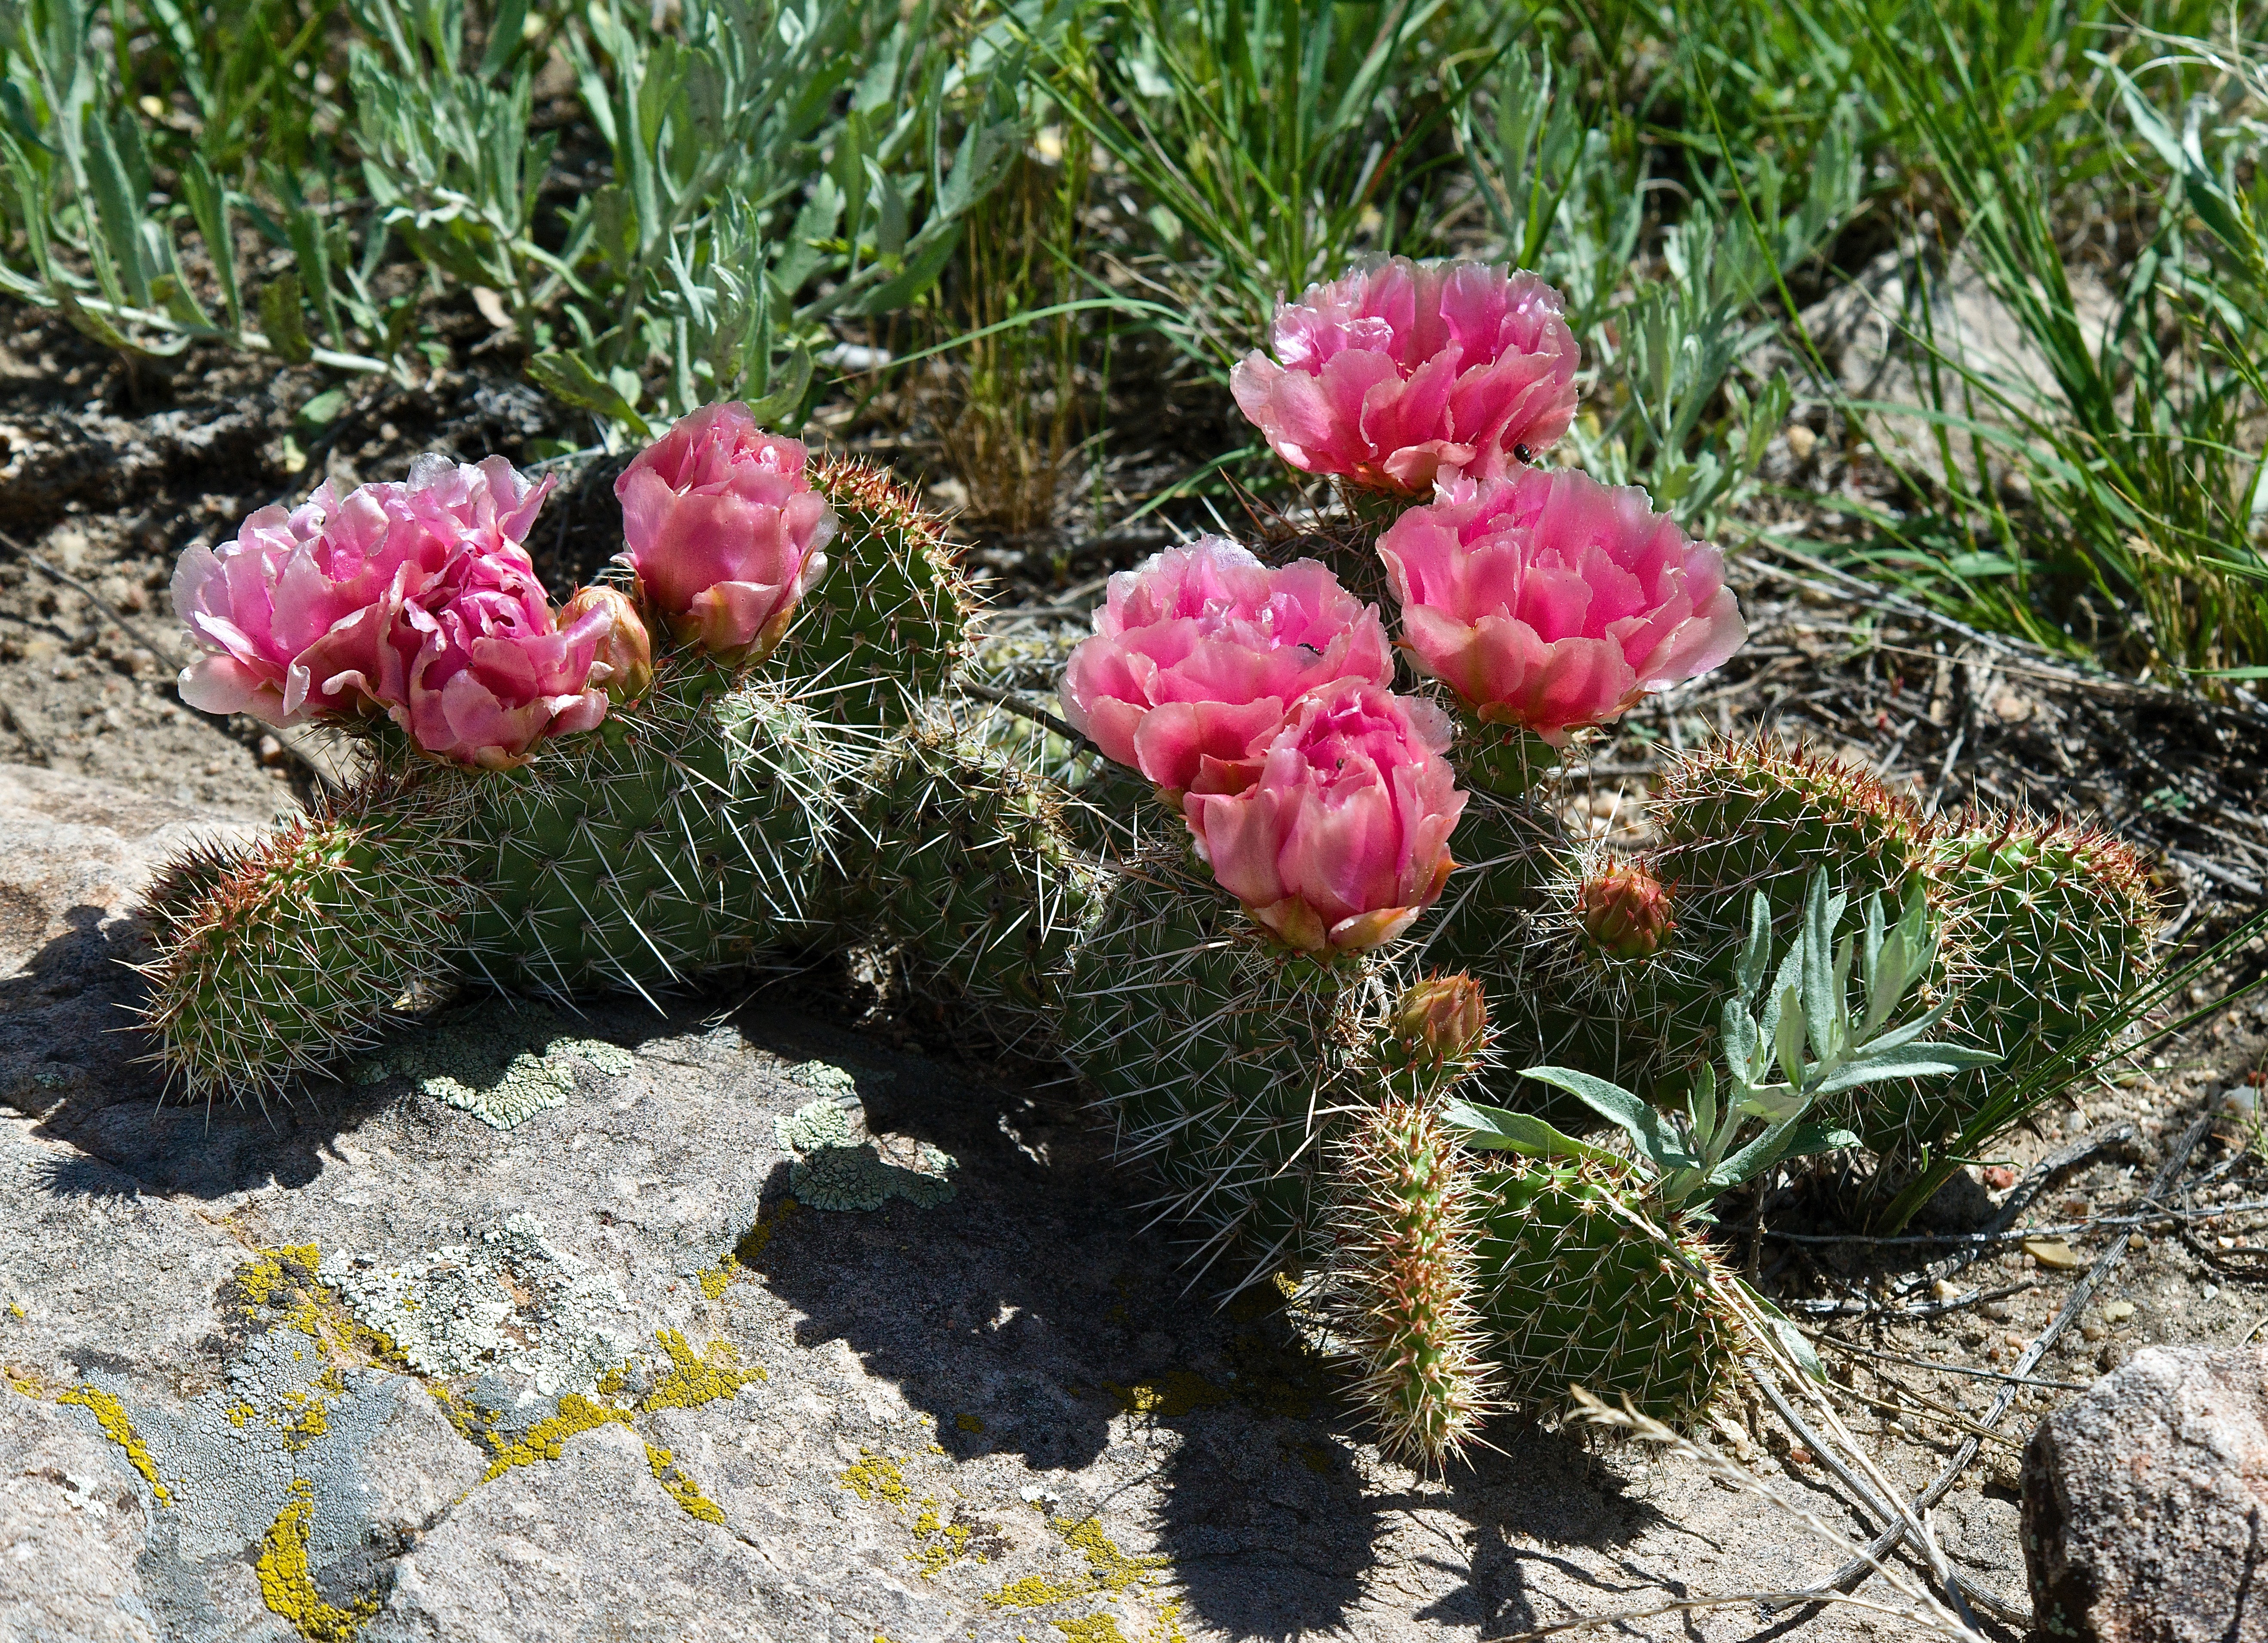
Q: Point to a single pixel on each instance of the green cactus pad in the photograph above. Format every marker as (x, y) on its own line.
(889, 623)
(276, 958)
(1583, 1288)
(2051, 926)
(957, 858)
(1225, 1059)
(687, 834)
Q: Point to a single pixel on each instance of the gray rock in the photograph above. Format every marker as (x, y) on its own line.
(400, 1372)
(71, 1527)
(2146, 1504)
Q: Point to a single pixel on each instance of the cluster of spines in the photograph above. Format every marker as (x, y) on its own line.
(888, 627)
(1584, 1288)
(956, 858)
(274, 958)
(1405, 1280)
(1225, 1061)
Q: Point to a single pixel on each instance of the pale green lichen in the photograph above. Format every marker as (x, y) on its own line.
(503, 1066)
(287, 1583)
(512, 1301)
(836, 1168)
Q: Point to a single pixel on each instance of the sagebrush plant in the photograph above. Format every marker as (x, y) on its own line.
(775, 168)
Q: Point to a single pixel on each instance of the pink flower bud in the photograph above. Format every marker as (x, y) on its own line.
(1626, 910)
(1197, 655)
(1400, 373)
(724, 531)
(1342, 838)
(1551, 601)
(1440, 1019)
(295, 611)
(625, 661)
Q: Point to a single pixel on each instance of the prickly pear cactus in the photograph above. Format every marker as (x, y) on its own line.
(1405, 1280)
(1583, 1288)
(685, 835)
(690, 831)
(2052, 925)
(275, 958)
(889, 623)
(1223, 1058)
(957, 857)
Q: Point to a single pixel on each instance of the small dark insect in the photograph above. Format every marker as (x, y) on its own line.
(1523, 453)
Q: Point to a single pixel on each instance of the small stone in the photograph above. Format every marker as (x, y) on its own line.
(2135, 1240)
(271, 751)
(2053, 1253)
(2092, 1332)
(2118, 1311)
(1997, 1310)
(1800, 441)
(2142, 1502)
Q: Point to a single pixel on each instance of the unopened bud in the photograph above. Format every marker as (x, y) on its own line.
(1441, 1018)
(626, 651)
(1626, 911)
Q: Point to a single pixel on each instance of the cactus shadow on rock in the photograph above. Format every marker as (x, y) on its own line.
(1038, 1305)
(1535, 1492)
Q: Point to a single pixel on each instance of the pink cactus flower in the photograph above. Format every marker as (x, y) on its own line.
(1400, 373)
(1551, 601)
(486, 670)
(1204, 649)
(293, 613)
(724, 531)
(1342, 838)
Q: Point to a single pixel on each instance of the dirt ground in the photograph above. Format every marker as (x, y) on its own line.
(106, 476)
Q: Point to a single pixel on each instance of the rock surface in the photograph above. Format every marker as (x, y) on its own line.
(374, 1368)
(2146, 1504)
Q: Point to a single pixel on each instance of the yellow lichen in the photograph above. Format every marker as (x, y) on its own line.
(310, 1418)
(1101, 1628)
(576, 1415)
(969, 1423)
(311, 1306)
(1109, 1570)
(1168, 1629)
(680, 1488)
(694, 1380)
(613, 1381)
(947, 1544)
(110, 1415)
(240, 1414)
(1169, 1397)
(287, 1584)
(875, 1478)
(17, 1308)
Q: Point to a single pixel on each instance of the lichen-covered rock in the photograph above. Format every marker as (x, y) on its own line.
(401, 1373)
(2146, 1504)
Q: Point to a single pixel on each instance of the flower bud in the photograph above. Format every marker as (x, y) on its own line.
(1441, 1018)
(1626, 911)
(626, 654)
